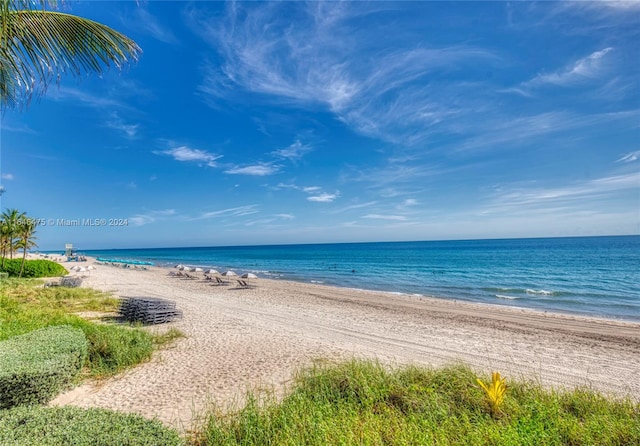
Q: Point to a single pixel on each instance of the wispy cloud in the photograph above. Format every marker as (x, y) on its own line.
(116, 122)
(385, 217)
(147, 23)
(7, 176)
(150, 217)
(262, 169)
(511, 200)
(317, 60)
(85, 98)
(314, 193)
(187, 154)
(294, 152)
(356, 206)
(518, 130)
(586, 69)
(629, 157)
(239, 211)
(323, 197)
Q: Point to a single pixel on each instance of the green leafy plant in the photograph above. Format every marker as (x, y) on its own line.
(33, 268)
(494, 392)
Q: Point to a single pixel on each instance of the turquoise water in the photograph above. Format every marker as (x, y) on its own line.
(597, 276)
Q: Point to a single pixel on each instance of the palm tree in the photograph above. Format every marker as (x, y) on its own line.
(26, 239)
(11, 222)
(38, 45)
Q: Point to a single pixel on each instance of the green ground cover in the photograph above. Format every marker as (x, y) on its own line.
(26, 306)
(362, 403)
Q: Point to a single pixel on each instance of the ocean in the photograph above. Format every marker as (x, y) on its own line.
(593, 276)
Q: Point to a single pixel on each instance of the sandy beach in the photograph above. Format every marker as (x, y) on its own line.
(256, 338)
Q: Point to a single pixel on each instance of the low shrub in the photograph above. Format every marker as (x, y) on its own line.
(33, 268)
(34, 367)
(62, 426)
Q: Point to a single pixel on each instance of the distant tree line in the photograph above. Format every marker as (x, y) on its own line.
(17, 232)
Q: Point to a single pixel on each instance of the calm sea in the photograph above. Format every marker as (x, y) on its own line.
(597, 276)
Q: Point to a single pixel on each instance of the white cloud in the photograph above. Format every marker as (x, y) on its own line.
(80, 96)
(262, 169)
(294, 152)
(385, 217)
(148, 24)
(239, 211)
(184, 153)
(356, 206)
(510, 132)
(323, 197)
(318, 60)
(506, 201)
(587, 68)
(150, 217)
(630, 157)
(7, 176)
(117, 123)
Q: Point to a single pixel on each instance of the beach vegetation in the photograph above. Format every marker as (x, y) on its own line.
(494, 392)
(63, 426)
(112, 347)
(39, 44)
(364, 403)
(36, 366)
(33, 268)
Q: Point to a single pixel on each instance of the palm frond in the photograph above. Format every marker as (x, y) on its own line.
(39, 46)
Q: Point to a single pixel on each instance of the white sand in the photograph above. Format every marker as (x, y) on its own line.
(247, 338)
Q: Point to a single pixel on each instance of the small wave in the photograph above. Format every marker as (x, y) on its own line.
(540, 292)
(317, 281)
(504, 296)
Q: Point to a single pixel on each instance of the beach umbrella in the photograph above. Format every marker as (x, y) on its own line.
(82, 270)
(249, 276)
(198, 270)
(212, 271)
(90, 267)
(229, 273)
(179, 266)
(186, 268)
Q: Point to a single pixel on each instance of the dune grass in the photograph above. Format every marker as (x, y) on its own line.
(26, 306)
(362, 403)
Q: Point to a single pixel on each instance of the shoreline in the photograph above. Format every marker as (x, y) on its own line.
(500, 301)
(258, 337)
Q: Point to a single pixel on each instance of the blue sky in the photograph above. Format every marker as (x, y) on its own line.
(294, 122)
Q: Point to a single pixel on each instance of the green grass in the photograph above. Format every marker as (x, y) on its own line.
(362, 403)
(26, 306)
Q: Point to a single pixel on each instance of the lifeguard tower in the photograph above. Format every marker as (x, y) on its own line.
(70, 253)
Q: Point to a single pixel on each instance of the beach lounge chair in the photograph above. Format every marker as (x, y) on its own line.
(245, 284)
(219, 282)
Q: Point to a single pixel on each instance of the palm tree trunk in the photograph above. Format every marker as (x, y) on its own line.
(24, 259)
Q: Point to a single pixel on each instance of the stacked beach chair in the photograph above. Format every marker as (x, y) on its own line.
(149, 310)
(71, 281)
